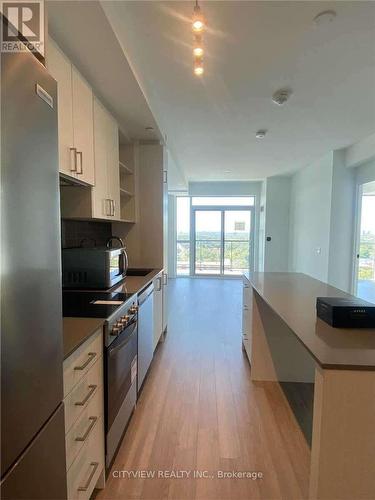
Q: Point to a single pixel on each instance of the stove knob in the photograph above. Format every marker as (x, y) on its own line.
(115, 331)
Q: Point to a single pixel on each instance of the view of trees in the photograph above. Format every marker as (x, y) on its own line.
(366, 269)
(208, 244)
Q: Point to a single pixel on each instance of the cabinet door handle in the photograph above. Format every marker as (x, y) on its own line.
(113, 208)
(160, 284)
(165, 175)
(165, 279)
(87, 397)
(80, 154)
(91, 356)
(88, 430)
(74, 158)
(108, 207)
(94, 465)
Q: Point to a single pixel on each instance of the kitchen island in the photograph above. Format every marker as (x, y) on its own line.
(293, 347)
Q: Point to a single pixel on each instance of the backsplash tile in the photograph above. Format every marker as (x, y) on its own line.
(74, 232)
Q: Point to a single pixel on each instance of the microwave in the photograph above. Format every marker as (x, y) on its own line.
(93, 267)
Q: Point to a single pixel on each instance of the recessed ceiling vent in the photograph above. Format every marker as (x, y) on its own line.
(281, 96)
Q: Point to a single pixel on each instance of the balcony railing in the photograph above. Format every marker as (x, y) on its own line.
(208, 256)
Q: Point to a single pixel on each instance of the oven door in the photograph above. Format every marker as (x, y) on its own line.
(121, 371)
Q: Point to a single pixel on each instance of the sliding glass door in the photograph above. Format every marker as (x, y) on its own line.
(237, 229)
(364, 272)
(208, 241)
(221, 240)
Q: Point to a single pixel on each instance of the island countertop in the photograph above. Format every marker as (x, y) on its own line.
(292, 296)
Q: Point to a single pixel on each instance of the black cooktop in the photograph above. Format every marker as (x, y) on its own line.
(92, 304)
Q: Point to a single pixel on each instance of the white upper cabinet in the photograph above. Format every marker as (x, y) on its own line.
(113, 173)
(106, 193)
(61, 70)
(75, 117)
(83, 127)
(100, 201)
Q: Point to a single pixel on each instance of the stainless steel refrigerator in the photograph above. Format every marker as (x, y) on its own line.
(32, 416)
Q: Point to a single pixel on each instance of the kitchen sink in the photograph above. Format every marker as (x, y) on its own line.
(138, 271)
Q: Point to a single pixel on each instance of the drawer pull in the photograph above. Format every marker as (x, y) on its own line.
(91, 356)
(89, 429)
(88, 395)
(94, 466)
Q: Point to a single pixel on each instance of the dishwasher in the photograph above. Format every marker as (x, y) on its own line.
(145, 332)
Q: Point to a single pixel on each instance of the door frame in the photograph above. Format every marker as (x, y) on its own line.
(357, 238)
(222, 209)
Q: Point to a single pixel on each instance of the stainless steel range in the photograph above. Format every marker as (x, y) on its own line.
(120, 357)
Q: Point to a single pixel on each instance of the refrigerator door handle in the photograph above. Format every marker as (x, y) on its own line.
(94, 465)
(91, 356)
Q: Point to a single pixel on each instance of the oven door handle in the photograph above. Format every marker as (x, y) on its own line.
(112, 351)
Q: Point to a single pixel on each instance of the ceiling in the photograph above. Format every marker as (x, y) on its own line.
(85, 35)
(253, 48)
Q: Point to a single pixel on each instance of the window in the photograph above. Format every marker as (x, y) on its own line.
(183, 235)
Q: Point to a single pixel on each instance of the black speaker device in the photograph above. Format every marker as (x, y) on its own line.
(346, 312)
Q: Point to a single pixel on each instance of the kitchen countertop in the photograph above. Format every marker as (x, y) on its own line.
(77, 330)
(134, 284)
(292, 296)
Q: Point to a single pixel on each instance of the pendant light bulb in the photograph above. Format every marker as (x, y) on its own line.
(198, 46)
(198, 25)
(198, 66)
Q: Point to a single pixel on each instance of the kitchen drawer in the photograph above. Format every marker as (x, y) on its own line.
(86, 468)
(84, 426)
(83, 393)
(80, 362)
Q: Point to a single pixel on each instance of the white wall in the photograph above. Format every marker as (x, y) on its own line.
(366, 172)
(341, 249)
(262, 226)
(360, 152)
(310, 219)
(277, 208)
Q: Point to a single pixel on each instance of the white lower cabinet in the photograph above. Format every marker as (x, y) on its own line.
(84, 418)
(158, 308)
(247, 317)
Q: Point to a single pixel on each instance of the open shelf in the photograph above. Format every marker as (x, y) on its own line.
(125, 168)
(125, 192)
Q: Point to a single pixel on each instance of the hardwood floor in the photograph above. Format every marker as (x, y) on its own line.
(199, 411)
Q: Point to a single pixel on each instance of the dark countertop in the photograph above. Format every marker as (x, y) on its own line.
(292, 296)
(77, 330)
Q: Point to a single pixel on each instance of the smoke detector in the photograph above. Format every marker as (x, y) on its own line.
(324, 18)
(281, 96)
(261, 134)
